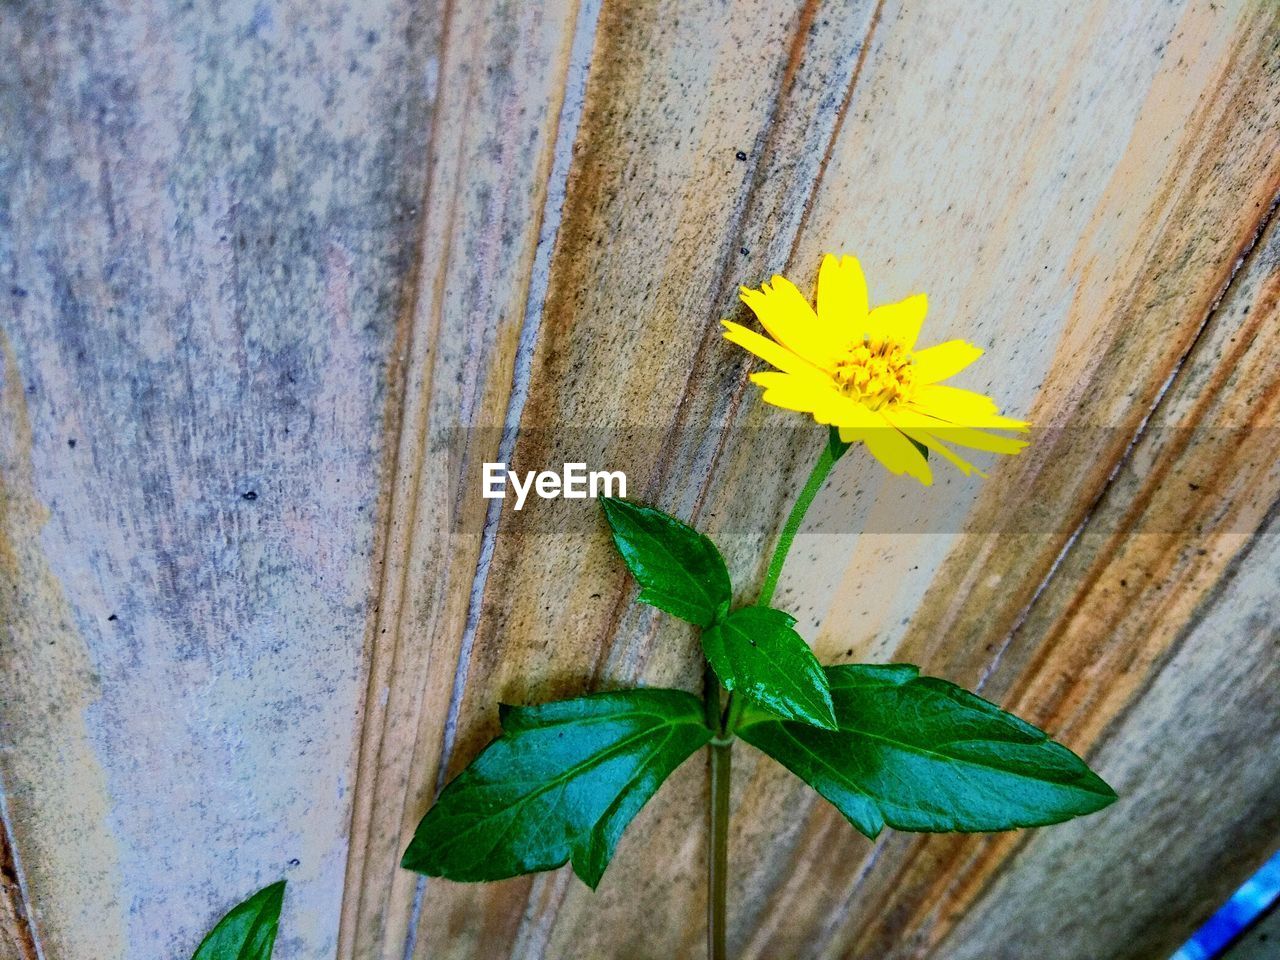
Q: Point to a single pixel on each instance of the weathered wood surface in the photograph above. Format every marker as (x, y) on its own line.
(207, 232)
(224, 235)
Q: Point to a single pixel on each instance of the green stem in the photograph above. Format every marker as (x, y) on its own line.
(719, 765)
(720, 756)
(826, 460)
(718, 761)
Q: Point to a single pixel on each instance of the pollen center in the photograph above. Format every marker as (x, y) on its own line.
(876, 374)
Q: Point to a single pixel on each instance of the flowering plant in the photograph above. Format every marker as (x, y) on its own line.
(885, 745)
(882, 743)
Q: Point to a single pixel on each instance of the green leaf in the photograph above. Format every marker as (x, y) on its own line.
(918, 753)
(248, 931)
(561, 783)
(755, 652)
(679, 569)
(924, 451)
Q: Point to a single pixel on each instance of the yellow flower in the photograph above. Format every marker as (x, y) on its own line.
(858, 370)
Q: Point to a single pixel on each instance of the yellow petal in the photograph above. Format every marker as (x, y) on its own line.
(842, 297)
(933, 443)
(854, 420)
(790, 392)
(772, 379)
(823, 401)
(977, 440)
(945, 360)
(840, 411)
(899, 322)
(963, 408)
(916, 427)
(896, 452)
(770, 352)
(786, 314)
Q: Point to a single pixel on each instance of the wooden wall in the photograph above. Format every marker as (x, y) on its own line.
(276, 275)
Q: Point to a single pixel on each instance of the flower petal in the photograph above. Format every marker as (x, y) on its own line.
(790, 392)
(945, 360)
(854, 420)
(823, 401)
(770, 352)
(899, 322)
(962, 408)
(845, 413)
(917, 426)
(931, 442)
(842, 297)
(786, 314)
(978, 440)
(896, 452)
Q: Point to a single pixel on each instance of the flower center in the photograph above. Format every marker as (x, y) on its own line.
(876, 374)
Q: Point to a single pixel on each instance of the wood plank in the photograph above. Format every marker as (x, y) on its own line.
(1194, 762)
(701, 86)
(1084, 652)
(251, 253)
(1101, 168)
(1159, 633)
(511, 73)
(205, 224)
(17, 939)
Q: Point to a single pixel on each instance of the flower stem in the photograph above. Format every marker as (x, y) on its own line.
(826, 460)
(720, 756)
(719, 764)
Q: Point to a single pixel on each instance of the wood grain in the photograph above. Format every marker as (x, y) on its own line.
(1159, 633)
(1129, 169)
(676, 148)
(338, 255)
(491, 209)
(983, 601)
(206, 223)
(1130, 177)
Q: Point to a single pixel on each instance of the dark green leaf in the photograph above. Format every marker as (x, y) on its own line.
(755, 652)
(561, 783)
(248, 932)
(918, 753)
(679, 569)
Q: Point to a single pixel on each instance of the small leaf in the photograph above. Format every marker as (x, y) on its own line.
(248, 931)
(918, 753)
(924, 451)
(679, 569)
(755, 652)
(561, 783)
